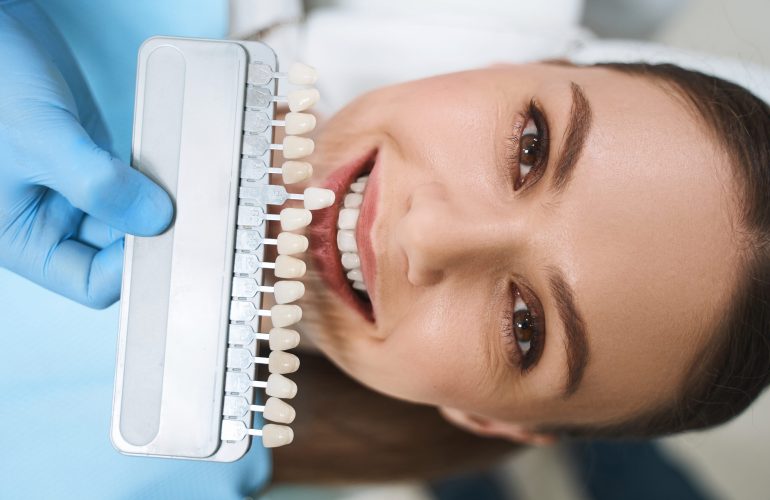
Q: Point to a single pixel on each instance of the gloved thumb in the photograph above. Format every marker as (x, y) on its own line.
(101, 185)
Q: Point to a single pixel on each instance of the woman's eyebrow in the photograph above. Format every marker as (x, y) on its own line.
(578, 128)
(575, 335)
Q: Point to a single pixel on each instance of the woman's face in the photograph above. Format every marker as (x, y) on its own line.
(541, 244)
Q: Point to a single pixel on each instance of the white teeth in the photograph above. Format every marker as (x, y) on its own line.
(350, 260)
(346, 241)
(348, 218)
(353, 200)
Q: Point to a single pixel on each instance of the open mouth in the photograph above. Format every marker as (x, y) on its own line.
(340, 234)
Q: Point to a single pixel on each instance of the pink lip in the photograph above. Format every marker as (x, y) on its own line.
(364, 230)
(323, 235)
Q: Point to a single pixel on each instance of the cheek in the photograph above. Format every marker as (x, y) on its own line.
(438, 351)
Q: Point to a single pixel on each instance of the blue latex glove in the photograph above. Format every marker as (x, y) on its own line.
(65, 201)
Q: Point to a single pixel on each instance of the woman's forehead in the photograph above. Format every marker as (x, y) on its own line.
(649, 218)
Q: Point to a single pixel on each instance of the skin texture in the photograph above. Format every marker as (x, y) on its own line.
(638, 233)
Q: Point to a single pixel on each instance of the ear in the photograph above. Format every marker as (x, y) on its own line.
(489, 427)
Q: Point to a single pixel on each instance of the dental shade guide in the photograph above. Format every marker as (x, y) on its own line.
(192, 326)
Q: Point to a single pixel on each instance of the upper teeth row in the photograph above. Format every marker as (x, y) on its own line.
(346, 236)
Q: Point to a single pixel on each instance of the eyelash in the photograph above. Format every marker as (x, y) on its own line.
(519, 313)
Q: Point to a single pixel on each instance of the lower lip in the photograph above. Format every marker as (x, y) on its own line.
(323, 237)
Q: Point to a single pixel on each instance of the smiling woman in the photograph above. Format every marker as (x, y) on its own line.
(549, 249)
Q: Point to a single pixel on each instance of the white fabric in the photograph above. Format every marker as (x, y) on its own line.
(358, 45)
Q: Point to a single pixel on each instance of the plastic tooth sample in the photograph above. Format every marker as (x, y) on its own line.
(297, 147)
(289, 267)
(346, 241)
(302, 74)
(348, 218)
(281, 362)
(298, 74)
(295, 218)
(350, 260)
(276, 435)
(285, 314)
(296, 171)
(318, 198)
(288, 291)
(283, 339)
(302, 99)
(278, 411)
(299, 123)
(280, 387)
(290, 243)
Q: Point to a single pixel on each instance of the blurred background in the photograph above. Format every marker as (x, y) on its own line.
(725, 463)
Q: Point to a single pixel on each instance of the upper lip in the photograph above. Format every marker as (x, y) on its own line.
(323, 236)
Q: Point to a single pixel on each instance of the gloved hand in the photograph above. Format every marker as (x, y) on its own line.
(64, 200)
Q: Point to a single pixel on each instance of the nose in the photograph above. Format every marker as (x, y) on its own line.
(441, 232)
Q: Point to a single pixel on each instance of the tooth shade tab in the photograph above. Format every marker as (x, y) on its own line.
(291, 244)
(315, 198)
(280, 362)
(296, 171)
(258, 122)
(293, 147)
(274, 409)
(280, 339)
(272, 435)
(284, 265)
(280, 314)
(276, 385)
(259, 98)
(288, 291)
(291, 171)
(302, 99)
(298, 74)
(295, 218)
(289, 267)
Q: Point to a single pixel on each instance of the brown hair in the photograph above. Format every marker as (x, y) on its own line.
(734, 367)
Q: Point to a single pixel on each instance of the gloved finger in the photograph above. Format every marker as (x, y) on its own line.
(84, 274)
(99, 184)
(96, 233)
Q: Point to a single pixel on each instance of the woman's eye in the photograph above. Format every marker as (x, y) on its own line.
(524, 327)
(531, 149)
